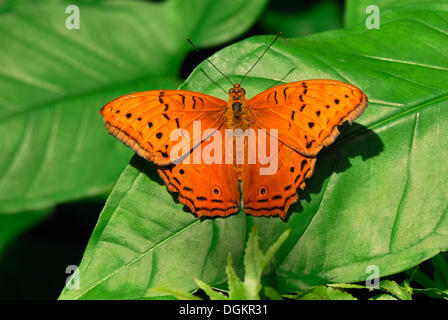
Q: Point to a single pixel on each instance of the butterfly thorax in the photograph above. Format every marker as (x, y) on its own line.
(237, 113)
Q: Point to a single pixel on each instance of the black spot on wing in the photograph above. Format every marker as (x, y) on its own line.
(302, 164)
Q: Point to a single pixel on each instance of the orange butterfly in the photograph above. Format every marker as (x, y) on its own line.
(303, 115)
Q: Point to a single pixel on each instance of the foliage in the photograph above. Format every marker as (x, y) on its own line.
(378, 195)
(255, 262)
(254, 259)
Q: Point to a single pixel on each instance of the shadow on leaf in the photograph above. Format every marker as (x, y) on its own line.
(355, 140)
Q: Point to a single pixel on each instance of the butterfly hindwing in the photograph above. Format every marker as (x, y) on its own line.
(207, 189)
(273, 193)
(145, 120)
(307, 113)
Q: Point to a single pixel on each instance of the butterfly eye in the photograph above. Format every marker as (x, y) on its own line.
(216, 191)
(262, 191)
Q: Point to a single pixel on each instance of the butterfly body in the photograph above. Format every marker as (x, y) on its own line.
(282, 129)
(237, 114)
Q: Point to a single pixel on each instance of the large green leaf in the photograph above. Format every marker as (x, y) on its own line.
(54, 80)
(378, 195)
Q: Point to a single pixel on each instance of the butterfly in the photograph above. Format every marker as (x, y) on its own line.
(296, 120)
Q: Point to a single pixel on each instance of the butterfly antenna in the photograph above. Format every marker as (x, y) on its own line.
(203, 56)
(266, 50)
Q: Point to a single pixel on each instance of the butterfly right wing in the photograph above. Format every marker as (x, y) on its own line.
(145, 120)
(307, 113)
(272, 192)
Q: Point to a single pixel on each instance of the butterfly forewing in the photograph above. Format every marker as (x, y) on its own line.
(145, 120)
(307, 113)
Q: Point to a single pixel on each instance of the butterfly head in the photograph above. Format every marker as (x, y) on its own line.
(237, 91)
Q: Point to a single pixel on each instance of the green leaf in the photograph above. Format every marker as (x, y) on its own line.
(213, 294)
(54, 81)
(324, 293)
(255, 262)
(377, 197)
(237, 290)
(383, 297)
(396, 290)
(253, 266)
(271, 293)
(179, 294)
(346, 286)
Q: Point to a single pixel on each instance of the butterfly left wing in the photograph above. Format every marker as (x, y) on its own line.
(145, 120)
(207, 189)
(307, 113)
